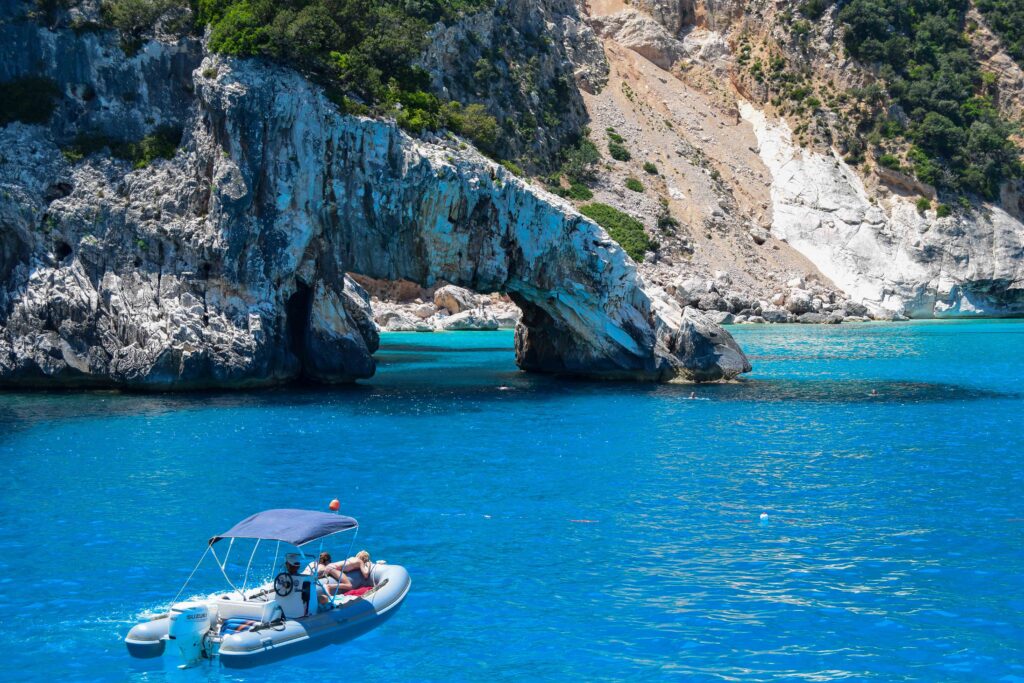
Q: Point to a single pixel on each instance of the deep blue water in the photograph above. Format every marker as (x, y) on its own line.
(560, 529)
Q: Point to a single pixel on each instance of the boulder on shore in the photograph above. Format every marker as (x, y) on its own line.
(455, 299)
(776, 315)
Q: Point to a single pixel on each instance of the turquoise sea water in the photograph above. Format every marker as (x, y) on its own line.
(559, 529)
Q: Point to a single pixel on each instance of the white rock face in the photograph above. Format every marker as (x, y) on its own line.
(392, 320)
(479, 313)
(652, 40)
(642, 34)
(679, 15)
(507, 317)
(887, 255)
(424, 311)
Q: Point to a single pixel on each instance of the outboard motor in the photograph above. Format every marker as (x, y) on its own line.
(189, 623)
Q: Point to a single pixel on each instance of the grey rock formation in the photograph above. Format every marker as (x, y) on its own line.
(813, 318)
(103, 92)
(774, 315)
(520, 58)
(225, 266)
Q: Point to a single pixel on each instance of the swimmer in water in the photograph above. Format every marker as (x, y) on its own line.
(874, 393)
(693, 395)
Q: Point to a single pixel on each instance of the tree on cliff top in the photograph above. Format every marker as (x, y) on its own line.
(919, 50)
(361, 51)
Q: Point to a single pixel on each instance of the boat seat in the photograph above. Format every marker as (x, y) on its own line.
(262, 611)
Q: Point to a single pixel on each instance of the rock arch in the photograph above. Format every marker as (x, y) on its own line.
(225, 267)
(389, 207)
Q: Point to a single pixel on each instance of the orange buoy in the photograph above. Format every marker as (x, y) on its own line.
(335, 505)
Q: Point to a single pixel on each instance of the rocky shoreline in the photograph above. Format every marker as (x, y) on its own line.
(803, 300)
(407, 307)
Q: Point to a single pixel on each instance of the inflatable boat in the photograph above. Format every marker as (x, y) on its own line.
(297, 612)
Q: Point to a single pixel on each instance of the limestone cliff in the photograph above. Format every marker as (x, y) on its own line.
(225, 265)
(884, 251)
(760, 185)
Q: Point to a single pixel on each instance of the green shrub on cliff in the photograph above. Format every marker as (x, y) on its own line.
(1006, 17)
(623, 228)
(135, 17)
(362, 51)
(579, 192)
(160, 144)
(814, 9)
(29, 100)
(890, 161)
(919, 50)
(513, 168)
(619, 152)
(579, 161)
(473, 122)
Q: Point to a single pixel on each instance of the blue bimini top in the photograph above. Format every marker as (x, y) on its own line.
(291, 526)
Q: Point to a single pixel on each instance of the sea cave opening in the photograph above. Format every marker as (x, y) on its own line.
(298, 311)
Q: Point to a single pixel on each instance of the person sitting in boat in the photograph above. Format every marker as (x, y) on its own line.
(326, 568)
(348, 575)
(336, 579)
(361, 562)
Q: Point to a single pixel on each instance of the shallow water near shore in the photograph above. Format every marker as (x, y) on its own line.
(559, 529)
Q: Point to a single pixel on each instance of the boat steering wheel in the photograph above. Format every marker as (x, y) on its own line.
(284, 584)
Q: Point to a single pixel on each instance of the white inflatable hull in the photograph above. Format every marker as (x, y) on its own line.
(348, 619)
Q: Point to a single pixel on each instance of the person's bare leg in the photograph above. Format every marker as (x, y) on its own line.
(344, 584)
